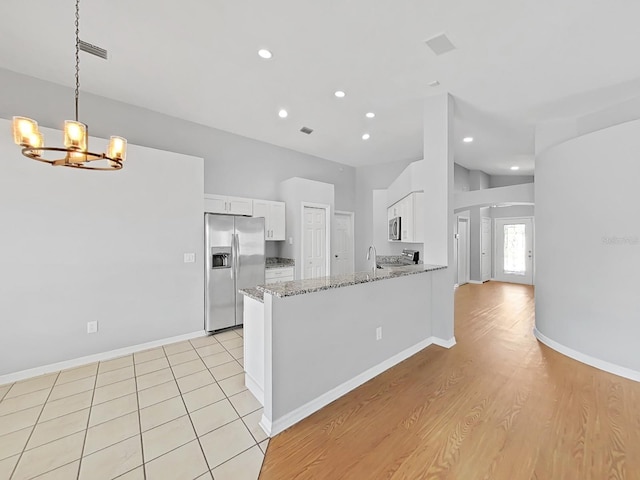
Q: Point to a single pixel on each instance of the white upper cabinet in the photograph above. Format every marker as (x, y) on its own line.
(274, 218)
(410, 209)
(228, 205)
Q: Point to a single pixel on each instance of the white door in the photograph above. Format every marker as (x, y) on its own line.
(315, 243)
(463, 251)
(485, 248)
(514, 250)
(342, 245)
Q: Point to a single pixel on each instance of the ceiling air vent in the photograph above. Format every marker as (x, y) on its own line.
(93, 50)
(306, 130)
(440, 44)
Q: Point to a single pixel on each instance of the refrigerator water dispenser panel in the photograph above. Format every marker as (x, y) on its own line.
(220, 257)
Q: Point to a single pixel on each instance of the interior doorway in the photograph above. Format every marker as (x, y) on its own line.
(342, 245)
(514, 250)
(315, 240)
(463, 251)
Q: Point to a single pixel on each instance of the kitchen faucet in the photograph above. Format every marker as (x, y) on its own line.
(375, 257)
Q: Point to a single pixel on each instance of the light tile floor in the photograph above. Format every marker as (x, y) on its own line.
(175, 412)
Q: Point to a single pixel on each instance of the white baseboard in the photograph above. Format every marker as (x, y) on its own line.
(589, 360)
(443, 343)
(265, 424)
(476, 282)
(254, 388)
(98, 357)
(291, 418)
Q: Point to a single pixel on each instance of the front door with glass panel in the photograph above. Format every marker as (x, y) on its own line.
(514, 250)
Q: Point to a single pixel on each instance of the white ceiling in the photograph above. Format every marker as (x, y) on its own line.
(516, 63)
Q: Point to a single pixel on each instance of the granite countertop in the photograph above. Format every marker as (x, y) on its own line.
(253, 293)
(300, 287)
(279, 262)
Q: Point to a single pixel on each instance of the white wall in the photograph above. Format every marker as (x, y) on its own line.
(233, 165)
(588, 244)
(368, 179)
(294, 192)
(439, 215)
(478, 180)
(461, 178)
(323, 339)
(508, 180)
(515, 194)
(79, 246)
(513, 211)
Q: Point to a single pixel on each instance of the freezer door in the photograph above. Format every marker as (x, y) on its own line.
(250, 246)
(219, 278)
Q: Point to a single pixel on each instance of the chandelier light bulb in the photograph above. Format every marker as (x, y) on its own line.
(117, 148)
(23, 130)
(75, 135)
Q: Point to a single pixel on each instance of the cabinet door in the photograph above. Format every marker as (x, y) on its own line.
(240, 206)
(418, 217)
(277, 224)
(407, 219)
(215, 204)
(261, 209)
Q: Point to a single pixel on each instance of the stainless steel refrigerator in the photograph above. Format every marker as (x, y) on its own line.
(234, 249)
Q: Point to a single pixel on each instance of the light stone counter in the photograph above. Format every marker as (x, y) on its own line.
(300, 287)
(253, 293)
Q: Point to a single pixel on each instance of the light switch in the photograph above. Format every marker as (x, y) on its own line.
(189, 258)
(290, 240)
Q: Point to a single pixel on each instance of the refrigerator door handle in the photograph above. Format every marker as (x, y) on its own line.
(234, 254)
(237, 254)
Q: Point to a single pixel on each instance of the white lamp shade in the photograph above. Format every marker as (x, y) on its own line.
(25, 131)
(75, 135)
(117, 148)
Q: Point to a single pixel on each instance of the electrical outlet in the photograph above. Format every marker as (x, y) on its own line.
(92, 327)
(379, 333)
(189, 258)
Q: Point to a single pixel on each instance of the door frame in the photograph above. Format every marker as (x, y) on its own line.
(327, 222)
(467, 220)
(533, 245)
(352, 217)
(490, 249)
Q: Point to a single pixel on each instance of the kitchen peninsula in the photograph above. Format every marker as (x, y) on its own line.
(308, 342)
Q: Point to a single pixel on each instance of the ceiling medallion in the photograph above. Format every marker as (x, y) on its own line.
(75, 150)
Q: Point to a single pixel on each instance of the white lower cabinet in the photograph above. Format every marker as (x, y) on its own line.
(274, 218)
(278, 275)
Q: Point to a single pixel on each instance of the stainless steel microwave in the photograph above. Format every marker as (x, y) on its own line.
(395, 228)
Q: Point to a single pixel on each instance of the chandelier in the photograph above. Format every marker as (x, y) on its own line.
(75, 152)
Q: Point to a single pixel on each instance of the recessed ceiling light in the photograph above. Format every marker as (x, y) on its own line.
(370, 115)
(339, 94)
(435, 83)
(515, 167)
(467, 139)
(264, 53)
(283, 113)
(366, 136)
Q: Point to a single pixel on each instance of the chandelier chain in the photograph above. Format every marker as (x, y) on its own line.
(77, 92)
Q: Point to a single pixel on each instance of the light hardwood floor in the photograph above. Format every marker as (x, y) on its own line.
(498, 405)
